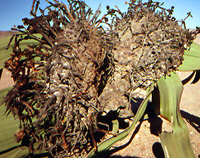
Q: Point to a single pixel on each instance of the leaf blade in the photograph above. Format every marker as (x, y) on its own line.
(191, 59)
(176, 143)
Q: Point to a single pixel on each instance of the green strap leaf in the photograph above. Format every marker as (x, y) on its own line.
(105, 145)
(191, 59)
(9, 148)
(176, 143)
(18, 152)
(9, 126)
(170, 89)
(115, 126)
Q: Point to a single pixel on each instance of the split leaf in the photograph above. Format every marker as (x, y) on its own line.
(175, 143)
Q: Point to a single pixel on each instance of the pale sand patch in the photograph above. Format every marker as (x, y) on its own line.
(6, 80)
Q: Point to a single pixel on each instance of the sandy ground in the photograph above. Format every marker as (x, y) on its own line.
(6, 80)
(145, 144)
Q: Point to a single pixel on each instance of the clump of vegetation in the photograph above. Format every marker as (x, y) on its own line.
(57, 80)
(153, 40)
(76, 70)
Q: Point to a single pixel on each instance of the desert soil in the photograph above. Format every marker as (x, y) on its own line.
(145, 144)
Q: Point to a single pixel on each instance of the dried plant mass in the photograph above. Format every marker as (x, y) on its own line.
(153, 39)
(75, 69)
(61, 89)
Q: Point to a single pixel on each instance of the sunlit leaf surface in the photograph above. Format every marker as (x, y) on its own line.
(191, 59)
(175, 143)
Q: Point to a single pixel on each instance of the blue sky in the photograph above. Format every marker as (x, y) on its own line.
(12, 11)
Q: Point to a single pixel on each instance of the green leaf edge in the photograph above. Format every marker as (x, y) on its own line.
(191, 60)
(175, 143)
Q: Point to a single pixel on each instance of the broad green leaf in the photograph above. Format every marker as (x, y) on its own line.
(9, 148)
(170, 89)
(22, 152)
(4, 54)
(191, 59)
(17, 152)
(9, 126)
(105, 145)
(176, 143)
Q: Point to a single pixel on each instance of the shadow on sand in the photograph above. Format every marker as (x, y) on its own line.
(193, 120)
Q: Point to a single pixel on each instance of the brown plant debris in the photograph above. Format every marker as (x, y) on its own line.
(59, 78)
(151, 41)
(73, 70)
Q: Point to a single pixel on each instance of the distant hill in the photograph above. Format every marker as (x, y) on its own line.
(6, 33)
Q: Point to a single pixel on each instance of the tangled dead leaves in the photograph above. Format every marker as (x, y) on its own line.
(75, 69)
